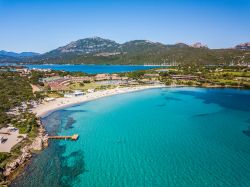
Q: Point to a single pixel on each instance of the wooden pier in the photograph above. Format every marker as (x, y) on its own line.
(74, 137)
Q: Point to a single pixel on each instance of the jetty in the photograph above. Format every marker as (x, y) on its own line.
(73, 137)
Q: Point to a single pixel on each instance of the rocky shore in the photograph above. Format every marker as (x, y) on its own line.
(38, 144)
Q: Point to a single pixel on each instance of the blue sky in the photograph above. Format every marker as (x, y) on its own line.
(42, 25)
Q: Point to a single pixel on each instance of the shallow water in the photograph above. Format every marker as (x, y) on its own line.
(158, 137)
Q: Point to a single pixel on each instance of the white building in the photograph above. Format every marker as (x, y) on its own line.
(74, 94)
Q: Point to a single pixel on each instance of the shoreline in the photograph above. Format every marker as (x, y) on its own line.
(40, 143)
(46, 108)
(31, 147)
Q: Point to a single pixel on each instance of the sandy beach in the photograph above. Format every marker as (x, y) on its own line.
(46, 108)
(11, 137)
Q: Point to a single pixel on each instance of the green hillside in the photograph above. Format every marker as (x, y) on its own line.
(103, 51)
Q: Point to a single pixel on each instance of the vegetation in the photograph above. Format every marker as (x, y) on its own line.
(26, 123)
(37, 75)
(103, 51)
(3, 156)
(65, 73)
(136, 74)
(14, 90)
(141, 52)
(184, 55)
(15, 94)
(207, 76)
(198, 75)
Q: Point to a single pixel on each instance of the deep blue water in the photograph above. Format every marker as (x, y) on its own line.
(159, 137)
(93, 69)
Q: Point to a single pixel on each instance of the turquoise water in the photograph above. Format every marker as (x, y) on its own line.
(159, 137)
(92, 69)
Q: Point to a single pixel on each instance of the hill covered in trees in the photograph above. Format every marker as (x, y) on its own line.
(103, 51)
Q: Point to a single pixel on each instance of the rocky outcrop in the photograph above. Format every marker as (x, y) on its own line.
(11, 166)
(41, 141)
(37, 144)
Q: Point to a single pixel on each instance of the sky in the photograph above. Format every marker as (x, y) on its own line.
(43, 25)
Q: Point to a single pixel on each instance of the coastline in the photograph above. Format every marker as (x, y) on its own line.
(39, 143)
(31, 146)
(47, 108)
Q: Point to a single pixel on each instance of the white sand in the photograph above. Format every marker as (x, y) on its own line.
(12, 139)
(59, 103)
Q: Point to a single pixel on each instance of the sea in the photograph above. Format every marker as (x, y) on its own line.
(91, 69)
(164, 137)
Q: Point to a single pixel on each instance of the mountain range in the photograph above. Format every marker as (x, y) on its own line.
(97, 45)
(8, 56)
(13, 54)
(97, 50)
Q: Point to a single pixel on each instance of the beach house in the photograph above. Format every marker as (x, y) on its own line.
(76, 93)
